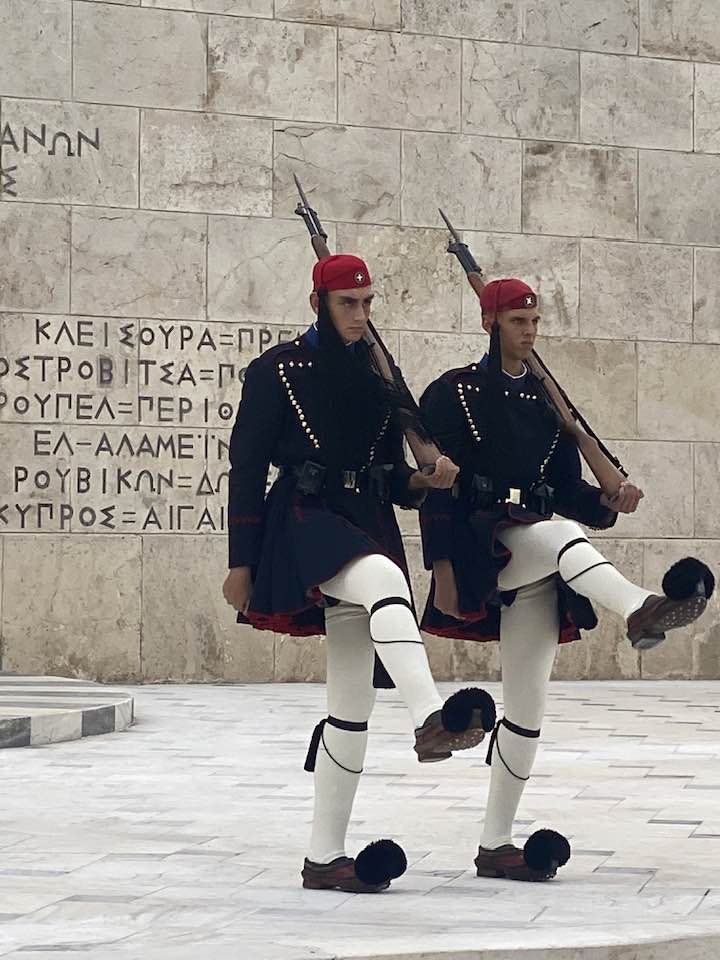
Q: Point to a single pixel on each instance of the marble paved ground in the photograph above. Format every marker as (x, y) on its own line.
(183, 837)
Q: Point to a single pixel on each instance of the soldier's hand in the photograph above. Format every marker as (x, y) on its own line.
(626, 500)
(238, 588)
(443, 476)
(446, 594)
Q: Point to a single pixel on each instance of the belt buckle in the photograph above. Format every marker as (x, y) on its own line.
(349, 479)
(515, 496)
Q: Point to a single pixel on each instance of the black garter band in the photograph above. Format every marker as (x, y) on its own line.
(317, 737)
(494, 745)
(390, 602)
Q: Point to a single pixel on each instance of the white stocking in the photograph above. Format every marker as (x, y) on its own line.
(371, 582)
(542, 549)
(528, 641)
(341, 753)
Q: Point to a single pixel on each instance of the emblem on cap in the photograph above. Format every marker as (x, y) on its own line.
(359, 278)
(530, 300)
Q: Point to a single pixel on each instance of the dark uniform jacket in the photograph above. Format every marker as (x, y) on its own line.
(310, 525)
(506, 447)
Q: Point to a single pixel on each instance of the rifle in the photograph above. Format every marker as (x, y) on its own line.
(422, 445)
(606, 467)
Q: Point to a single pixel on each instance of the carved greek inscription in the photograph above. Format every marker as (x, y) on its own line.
(113, 426)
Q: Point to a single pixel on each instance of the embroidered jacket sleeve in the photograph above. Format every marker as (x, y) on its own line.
(255, 434)
(574, 497)
(445, 421)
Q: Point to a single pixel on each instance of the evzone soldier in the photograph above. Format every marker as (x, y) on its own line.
(322, 553)
(504, 569)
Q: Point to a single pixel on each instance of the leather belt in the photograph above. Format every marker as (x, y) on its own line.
(314, 479)
(537, 499)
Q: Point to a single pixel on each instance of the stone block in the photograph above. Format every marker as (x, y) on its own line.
(575, 190)
(616, 278)
(511, 90)
(326, 159)
(440, 657)
(475, 661)
(706, 631)
(139, 57)
(424, 356)
(299, 659)
(477, 19)
(74, 478)
(87, 154)
(408, 522)
(189, 631)
(72, 608)
(400, 81)
(582, 24)
(43, 357)
(600, 378)
(707, 471)
(707, 107)
(190, 374)
(476, 181)
(138, 264)
(380, 14)
(229, 8)
(664, 471)
(30, 484)
(420, 577)
(206, 163)
(416, 284)
(706, 326)
(35, 267)
(683, 29)
(245, 259)
(268, 68)
(621, 105)
(605, 653)
(549, 264)
(692, 652)
(678, 391)
(36, 48)
(679, 202)
(2, 554)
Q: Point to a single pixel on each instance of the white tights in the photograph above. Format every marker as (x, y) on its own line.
(353, 637)
(529, 631)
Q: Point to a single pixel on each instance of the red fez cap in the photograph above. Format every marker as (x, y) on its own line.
(508, 294)
(342, 271)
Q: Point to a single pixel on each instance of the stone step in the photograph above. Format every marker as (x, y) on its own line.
(37, 710)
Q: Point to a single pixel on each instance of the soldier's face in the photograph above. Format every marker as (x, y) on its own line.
(518, 331)
(350, 312)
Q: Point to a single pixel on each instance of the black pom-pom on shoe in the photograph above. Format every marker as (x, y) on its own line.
(546, 850)
(682, 579)
(458, 710)
(380, 862)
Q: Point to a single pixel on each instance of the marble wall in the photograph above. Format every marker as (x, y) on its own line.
(149, 251)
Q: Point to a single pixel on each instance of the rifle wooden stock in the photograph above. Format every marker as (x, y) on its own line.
(320, 246)
(424, 452)
(608, 476)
